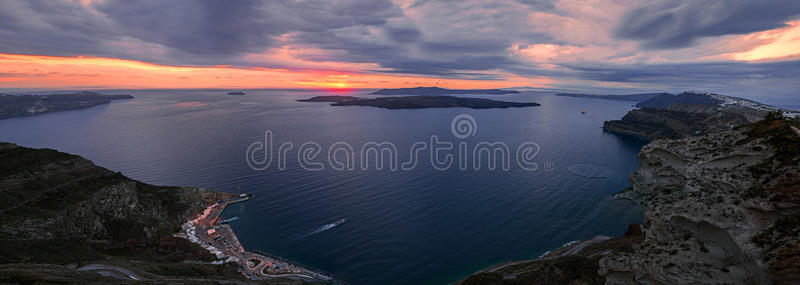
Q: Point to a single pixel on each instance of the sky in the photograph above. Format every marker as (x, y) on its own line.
(748, 48)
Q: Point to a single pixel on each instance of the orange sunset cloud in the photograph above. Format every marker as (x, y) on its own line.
(38, 71)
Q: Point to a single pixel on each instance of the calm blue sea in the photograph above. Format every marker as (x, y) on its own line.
(421, 226)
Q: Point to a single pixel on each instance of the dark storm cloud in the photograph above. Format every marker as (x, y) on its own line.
(192, 32)
(675, 24)
(470, 39)
(198, 27)
(447, 67)
(403, 34)
(767, 82)
(540, 5)
(233, 27)
(460, 39)
(209, 32)
(51, 28)
(447, 59)
(482, 45)
(719, 72)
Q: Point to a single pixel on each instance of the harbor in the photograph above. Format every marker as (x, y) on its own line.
(221, 241)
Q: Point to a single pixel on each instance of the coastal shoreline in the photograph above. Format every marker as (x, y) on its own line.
(221, 241)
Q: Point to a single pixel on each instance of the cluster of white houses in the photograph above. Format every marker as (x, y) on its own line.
(190, 229)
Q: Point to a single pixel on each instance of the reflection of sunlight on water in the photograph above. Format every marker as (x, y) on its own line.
(191, 104)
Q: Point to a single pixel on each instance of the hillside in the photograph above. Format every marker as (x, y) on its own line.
(26, 105)
(653, 124)
(60, 214)
(687, 114)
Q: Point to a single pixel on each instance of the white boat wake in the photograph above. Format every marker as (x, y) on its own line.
(322, 228)
(229, 220)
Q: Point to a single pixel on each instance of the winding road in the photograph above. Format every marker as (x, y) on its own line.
(112, 271)
(569, 250)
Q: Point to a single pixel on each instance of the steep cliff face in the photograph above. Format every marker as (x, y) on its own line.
(721, 209)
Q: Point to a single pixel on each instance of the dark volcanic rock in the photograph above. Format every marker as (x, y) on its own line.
(26, 105)
(440, 91)
(420, 102)
(329, 99)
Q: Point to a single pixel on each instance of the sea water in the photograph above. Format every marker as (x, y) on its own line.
(419, 226)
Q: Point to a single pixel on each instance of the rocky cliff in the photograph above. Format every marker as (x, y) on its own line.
(721, 209)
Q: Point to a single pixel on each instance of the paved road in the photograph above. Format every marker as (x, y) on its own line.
(112, 271)
(572, 250)
(575, 249)
(229, 244)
